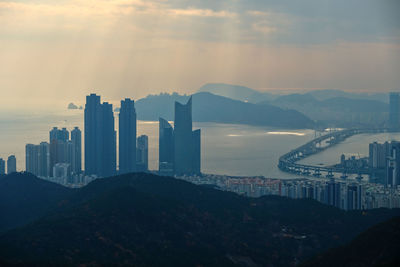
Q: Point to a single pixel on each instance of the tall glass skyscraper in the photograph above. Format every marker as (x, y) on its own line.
(109, 142)
(127, 136)
(100, 137)
(166, 147)
(76, 138)
(93, 140)
(186, 142)
(142, 155)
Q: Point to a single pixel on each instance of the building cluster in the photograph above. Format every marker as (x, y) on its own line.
(346, 195)
(384, 162)
(179, 147)
(11, 165)
(353, 163)
(60, 159)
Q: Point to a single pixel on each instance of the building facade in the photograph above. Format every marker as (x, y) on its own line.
(2, 167)
(186, 141)
(142, 156)
(166, 148)
(127, 136)
(100, 138)
(11, 164)
(76, 139)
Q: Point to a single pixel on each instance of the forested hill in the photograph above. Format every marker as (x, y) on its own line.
(143, 219)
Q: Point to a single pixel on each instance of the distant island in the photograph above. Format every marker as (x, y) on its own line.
(328, 107)
(208, 107)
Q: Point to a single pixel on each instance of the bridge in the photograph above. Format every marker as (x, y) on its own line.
(288, 162)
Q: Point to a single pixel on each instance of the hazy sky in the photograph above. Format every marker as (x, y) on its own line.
(56, 51)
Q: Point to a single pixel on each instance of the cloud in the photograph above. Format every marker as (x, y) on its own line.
(202, 13)
(68, 48)
(269, 21)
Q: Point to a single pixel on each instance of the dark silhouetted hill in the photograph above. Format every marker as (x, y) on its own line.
(24, 198)
(212, 108)
(378, 246)
(146, 220)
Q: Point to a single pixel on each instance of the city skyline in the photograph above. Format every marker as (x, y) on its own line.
(200, 132)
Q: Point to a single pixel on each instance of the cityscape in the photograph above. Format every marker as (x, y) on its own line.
(60, 159)
(200, 133)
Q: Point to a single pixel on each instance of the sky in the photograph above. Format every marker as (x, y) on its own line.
(55, 52)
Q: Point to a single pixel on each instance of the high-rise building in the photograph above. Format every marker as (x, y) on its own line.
(58, 147)
(378, 154)
(196, 155)
(394, 111)
(44, 159)
(354, 197)
(59, 134)
(333, 193)
(76, 138)
(100, 138)
(142, 153)
(393, 167)
(70, 153)
(127, 136)
(93, 137)
(32, 159)
(2, 166)
(11, 164)
(186, 142)
(109, 155)
(166, 147)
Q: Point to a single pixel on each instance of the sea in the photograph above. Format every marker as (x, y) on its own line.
(226, 149)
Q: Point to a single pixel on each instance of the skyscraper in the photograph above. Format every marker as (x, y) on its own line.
(59, 134)
(31, 158)
(58, 147)
(11, 164)
(76, 138)
(378, 154)
(166, 147)
(93, 136)
(44, 159)
(186, 142)
(393, 167)
(109, 142)
(127, 136)
(394, 111)
(196, 159)
(100, 137)
(142, 153)
(2, 166)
